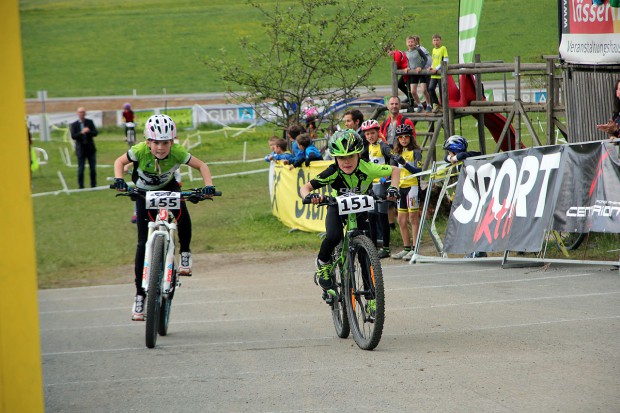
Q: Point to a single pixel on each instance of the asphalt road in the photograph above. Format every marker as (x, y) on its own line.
(251, 334)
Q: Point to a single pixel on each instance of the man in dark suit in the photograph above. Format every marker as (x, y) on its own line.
(83, 131)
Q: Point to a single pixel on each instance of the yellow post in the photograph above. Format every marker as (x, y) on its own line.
(21, 384)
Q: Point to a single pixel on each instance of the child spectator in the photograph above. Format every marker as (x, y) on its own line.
(402, 63)
(407, 154)
(420, 59)
(278, 150)
(439, 54)
(307, 152)
(379, 153)
(292, 132)
(456, 147)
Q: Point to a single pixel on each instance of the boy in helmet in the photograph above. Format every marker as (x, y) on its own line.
(456, 147)
(154, 164)
(348, 174)
(456, 151)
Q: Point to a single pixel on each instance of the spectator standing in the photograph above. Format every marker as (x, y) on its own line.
(83, 131)
(379, 153)
(408, 155)
(420, 60)
(439, 54)
(402, 63)
(388, 127)
(353, 119)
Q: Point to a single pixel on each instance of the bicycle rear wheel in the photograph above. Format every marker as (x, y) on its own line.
(153, 296)
(364, 295)
(339, 311)
(572, 240)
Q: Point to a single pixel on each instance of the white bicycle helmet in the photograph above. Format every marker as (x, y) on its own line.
(370, 124)
(160, 128)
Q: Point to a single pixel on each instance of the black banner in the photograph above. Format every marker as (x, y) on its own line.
(589, 196)
(504, 203)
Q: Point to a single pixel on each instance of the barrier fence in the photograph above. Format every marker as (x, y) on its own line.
(506, 202)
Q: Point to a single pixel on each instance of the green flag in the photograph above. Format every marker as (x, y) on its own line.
(469, 20)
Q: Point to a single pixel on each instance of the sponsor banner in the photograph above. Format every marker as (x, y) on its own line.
(286, 203)
(223, 114)
(62, 120)
(590, 32)
(505, 202)
(589, 196)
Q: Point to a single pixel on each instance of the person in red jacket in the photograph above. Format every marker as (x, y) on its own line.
(402, 63)
(388, 127)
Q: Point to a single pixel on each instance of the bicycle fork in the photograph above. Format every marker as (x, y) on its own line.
(167, 284)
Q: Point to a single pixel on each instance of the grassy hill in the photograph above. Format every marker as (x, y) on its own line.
(111, 47)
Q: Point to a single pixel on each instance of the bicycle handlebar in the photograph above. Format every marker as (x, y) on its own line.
(192, 195)
(330, 200)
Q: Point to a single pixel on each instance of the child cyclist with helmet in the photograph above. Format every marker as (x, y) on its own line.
(155, 162)
(348, 174)
(379, 152)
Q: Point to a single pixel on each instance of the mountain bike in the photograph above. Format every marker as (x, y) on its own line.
(130, 133)
(159, 275)
(357, 300)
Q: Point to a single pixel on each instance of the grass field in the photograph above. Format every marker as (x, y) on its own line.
(111, 47)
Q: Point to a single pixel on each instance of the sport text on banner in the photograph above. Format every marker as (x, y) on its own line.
(504, 203)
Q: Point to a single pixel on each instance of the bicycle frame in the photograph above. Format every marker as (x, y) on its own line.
(165, 225)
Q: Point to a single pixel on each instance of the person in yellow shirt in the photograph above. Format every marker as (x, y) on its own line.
(439, 54)
(408, 155)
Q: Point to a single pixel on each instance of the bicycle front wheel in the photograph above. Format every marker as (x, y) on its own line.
(166, 305)
(153, 296)
(364, 295)
(339, 311)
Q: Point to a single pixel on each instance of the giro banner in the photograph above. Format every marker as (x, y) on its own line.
(505, 202)
(286, 203)
(589, 196)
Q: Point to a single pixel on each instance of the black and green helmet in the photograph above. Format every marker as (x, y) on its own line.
(345, 142)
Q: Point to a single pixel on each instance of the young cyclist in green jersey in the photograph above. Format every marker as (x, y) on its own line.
(154, 164)
(348, 174)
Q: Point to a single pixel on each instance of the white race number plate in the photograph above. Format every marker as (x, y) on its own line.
(163, 199)
(352, 204)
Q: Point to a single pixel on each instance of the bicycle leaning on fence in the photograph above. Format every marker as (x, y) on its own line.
(159, 275)
(357, 299)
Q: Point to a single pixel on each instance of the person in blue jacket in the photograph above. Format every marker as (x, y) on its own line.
(307, 151)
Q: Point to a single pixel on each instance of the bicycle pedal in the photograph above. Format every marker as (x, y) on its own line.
(329, 296)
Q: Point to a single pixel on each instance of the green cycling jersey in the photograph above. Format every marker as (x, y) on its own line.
(151, 173)
(358, 182)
